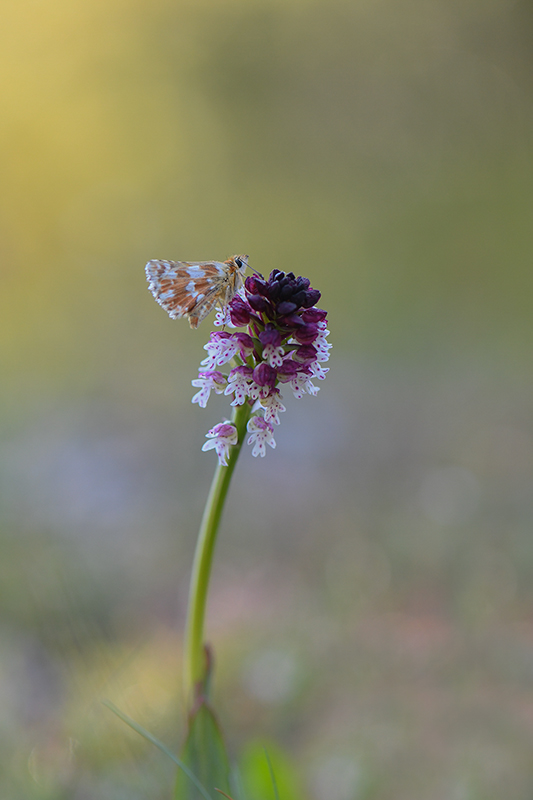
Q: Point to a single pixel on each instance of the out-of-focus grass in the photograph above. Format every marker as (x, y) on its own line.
(371, 604)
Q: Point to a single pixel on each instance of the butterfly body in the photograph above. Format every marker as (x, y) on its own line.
(193, 288)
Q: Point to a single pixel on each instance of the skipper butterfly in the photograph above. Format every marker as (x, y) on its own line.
(193, 288)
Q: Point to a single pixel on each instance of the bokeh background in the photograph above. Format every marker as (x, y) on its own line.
(372, 604)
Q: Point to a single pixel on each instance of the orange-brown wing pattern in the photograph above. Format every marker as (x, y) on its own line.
(192, 288)
(182, 287)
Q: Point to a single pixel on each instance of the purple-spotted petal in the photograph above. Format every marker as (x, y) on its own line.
(261, 433)
(221, 437)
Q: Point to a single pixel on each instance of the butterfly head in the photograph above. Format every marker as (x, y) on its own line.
(241, 262)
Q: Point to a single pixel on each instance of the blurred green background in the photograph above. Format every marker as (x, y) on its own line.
(372, 603)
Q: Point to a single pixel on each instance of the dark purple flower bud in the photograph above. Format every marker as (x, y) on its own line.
(302, 283)
(274, 288)
(306, 352)
(292, 321)
(257, 302)
(299, 298)
(306, 334)
(286, 307)
(270, 336)
(312, 296)
(256, 285)
(275, 275)
(287, 291)
(288, 369)
(314, 315)
(265, 375)
(239, 312)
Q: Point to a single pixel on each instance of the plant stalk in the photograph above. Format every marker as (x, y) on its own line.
(195, 662)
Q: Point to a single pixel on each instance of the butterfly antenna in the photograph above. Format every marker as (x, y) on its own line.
(254, 271)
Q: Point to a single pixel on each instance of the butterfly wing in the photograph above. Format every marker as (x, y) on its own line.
(187, 289)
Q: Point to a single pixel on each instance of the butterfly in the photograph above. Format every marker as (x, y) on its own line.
(193, 288)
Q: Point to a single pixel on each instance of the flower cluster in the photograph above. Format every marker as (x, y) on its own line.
(285, 343)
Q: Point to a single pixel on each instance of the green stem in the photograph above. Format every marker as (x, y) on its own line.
(195, 665)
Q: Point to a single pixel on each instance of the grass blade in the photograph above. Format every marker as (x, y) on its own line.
(272, 776)
(164, 749)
